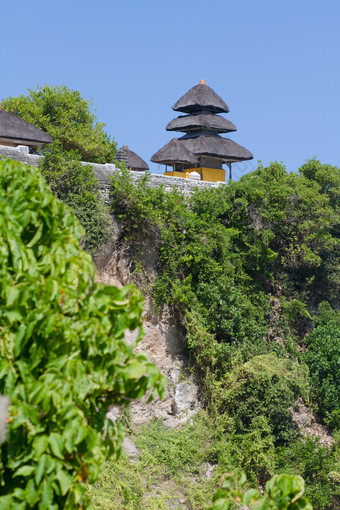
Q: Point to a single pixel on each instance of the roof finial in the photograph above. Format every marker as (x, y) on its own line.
(202, 82)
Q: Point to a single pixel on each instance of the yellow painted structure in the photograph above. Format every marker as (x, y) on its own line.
(208, 174)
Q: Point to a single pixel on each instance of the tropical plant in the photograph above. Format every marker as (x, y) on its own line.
(63, 358)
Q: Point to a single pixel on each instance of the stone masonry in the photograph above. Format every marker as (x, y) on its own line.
(103, 173)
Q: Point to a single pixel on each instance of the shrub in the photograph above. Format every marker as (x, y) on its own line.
(323, 359)
(76, 185)
(264, 386)
(282, 492)
(315, 463)
(63, 355)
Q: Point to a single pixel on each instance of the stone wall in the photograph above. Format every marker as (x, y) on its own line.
(103, 173)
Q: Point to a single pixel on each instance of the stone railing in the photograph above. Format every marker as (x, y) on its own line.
(103, 173)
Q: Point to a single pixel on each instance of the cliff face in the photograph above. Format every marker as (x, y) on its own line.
(163, 341)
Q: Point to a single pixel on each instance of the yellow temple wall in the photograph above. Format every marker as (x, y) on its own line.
(208, 174)
(176, 174)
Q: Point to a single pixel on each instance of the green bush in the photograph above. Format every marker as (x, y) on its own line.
(317, 464)
(264, 386)
(323, 359)
(76, 185)
(282, 492)
(63, 358)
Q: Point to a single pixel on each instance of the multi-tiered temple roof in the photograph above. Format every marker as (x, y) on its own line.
(202, 127)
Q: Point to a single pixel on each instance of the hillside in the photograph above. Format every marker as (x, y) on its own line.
(242, 286)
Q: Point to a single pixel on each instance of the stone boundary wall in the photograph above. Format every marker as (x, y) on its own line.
(103, 173)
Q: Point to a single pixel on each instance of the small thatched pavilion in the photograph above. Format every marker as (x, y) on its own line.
(175, 154)
(131, 159)
(15, 131)
(202, 127)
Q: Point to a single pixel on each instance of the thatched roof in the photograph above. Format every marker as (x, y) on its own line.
(185, 123)
(131, 159)
(201, 97)
(15, 129)
(217, 147)
(174, 152)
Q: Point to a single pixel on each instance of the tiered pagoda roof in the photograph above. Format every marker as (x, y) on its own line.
(201, 97)
(186, 123)
(202, 127)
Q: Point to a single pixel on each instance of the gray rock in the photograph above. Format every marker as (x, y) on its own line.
(130, 449)
(185, 400)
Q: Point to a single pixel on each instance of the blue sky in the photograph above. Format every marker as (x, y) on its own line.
(276, 64)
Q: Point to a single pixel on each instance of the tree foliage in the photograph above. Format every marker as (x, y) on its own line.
(63, 355)
(67, 118)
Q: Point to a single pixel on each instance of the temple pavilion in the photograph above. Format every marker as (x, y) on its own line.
(15, 131)
(201, 126)
(131, 159)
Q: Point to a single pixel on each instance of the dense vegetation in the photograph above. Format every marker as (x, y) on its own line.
(63, 358)
(252, 273)
(246, 267)
(77, 136)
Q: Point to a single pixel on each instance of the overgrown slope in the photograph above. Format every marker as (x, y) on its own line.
(246, 267)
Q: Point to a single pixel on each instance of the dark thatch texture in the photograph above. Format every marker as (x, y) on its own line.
(217, 147)
(14, 128)
(174, 152)
(131, 159)
(201, 97)
(188, 122)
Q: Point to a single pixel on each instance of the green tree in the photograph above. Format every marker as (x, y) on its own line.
(282, 492)
(63, 358)
(68, 118)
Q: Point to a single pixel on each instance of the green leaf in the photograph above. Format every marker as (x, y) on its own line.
(250, 496)
(5, 502)
(46, 496)
(56, 442)
(24, 471)
(65, 481)
(221, 504)
(41, 468)
(12, 294)
(40, 445)
(32, 495)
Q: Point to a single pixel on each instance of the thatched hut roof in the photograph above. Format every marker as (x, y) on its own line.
(201, 97)
(131, 159)
(217, 147)
(174, 152)
(16, 130)
(186, 123)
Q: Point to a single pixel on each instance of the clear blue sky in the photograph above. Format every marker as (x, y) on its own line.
(276, 64)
